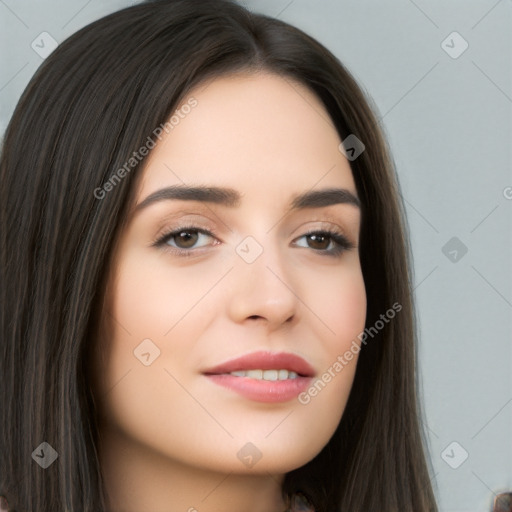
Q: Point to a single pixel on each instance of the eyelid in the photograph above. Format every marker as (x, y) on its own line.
(183, 219)
(329, 224)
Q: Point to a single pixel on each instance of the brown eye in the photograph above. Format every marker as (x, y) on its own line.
(329, 243)
(320, 241)
(186, 239)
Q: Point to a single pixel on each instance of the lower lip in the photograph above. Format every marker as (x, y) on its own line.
(270, 391)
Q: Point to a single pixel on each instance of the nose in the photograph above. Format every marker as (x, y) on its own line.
(262, 290)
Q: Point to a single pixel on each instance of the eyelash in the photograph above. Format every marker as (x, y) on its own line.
(343, 244)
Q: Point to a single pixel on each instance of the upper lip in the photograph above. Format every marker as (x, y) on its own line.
(265, 361)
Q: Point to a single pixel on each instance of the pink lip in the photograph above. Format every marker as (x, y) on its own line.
(265, 361)
(262, 390)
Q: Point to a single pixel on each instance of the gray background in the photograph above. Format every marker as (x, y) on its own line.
(448, 121)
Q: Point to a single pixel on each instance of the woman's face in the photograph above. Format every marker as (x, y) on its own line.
(242, 275)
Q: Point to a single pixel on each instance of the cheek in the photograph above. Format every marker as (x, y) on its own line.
(339, 316)
(143, 304)
(147, 316)
(341, 305)
(153, 297)
(348, 312)
(135, 318)
(146, 402)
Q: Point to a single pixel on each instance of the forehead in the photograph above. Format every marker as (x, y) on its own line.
(259, 132)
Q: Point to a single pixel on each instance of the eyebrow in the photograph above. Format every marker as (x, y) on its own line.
(231, 198)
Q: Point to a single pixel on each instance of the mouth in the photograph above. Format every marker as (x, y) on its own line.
(270, 375)
(265, 366)
(264, 376)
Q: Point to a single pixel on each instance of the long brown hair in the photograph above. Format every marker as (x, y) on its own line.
(94, 101)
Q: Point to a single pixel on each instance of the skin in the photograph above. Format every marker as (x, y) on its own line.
(169, 436)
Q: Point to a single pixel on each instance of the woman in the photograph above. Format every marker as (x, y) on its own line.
(207, 291)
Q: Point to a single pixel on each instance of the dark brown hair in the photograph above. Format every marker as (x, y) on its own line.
(94, 101)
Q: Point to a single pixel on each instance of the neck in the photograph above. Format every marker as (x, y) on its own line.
(137, 478)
